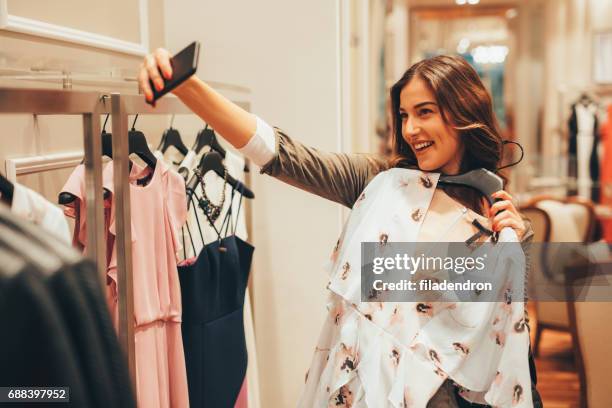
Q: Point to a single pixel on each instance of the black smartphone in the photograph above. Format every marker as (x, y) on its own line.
(184, 64)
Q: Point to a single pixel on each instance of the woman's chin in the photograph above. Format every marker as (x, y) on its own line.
(427, 166)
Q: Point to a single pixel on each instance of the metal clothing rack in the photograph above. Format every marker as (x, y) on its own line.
(90, 105)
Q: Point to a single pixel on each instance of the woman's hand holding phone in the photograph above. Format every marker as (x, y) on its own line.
(151, 70)
(161, 73)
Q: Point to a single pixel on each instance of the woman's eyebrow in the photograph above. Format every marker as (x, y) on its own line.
(418, 105)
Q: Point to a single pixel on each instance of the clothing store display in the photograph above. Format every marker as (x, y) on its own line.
(342, 178)
(157, 194)
(213, 290)
(161, 376)
(220, 276)
(30, 205)
(583, 150)
(606, 172)
(59, 299)
(196, 220)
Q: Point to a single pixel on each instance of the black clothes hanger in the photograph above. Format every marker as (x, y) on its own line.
(172, 137)
(212, 161)
(585, 99)
(107, 150)
(138, 145)
(207, 137)
(6, 189)
(482, 180)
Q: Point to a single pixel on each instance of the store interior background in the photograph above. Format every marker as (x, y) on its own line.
(321, 71)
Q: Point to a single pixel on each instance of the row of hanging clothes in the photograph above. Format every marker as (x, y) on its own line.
(590, 152)
(57, 330)
(193, 328)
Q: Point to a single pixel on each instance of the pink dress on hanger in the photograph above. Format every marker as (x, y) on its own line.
(77, 209)
(158, 210)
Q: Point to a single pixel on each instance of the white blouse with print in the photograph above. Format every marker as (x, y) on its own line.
(385, 354)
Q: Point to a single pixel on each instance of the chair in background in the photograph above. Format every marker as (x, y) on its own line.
(591, 332)
(554, 220)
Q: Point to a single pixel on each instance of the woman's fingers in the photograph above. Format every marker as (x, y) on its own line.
(150, 72)
(502, 205)
(518, 226)
(143, 81)
(509, 219)
(162, 57)
(504, 195)
(153, 71)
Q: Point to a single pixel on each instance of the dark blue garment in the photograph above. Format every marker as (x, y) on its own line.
(213, 290)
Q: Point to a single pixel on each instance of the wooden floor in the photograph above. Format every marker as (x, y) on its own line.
(557, 376)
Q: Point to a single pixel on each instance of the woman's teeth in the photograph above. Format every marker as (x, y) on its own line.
(422, 146)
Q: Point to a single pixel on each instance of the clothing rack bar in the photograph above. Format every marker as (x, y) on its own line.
(90, 105)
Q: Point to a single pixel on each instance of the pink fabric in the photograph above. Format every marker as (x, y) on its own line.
(243, 399)
(77, 209)
(159, 209)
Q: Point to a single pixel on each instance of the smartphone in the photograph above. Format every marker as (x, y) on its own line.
(184, 64)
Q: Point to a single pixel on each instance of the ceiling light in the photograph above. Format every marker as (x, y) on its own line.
(460, 2)
(473, 1)
(463, 45)
(493, 54)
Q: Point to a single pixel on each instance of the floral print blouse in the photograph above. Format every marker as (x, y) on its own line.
(392, 354)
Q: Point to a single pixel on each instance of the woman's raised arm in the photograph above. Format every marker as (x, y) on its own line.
(339, 177)
(235, 124)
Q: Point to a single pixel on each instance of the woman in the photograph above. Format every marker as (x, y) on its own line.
(443, 124)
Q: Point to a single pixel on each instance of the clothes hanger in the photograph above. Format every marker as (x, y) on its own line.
(482, 180)
(138, 145)
(65, 198)
(172, 137)
(212, 161)
(6, 189)
(207, 137)
(585, 99)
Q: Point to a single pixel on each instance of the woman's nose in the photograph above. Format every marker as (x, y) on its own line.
(411, 128)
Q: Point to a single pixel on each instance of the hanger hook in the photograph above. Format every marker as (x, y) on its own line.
(105, 121)
(516, 162)
(172, 120)
(134, 123)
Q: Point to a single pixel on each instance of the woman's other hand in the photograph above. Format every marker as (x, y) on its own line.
(508, 218)
(153, 67)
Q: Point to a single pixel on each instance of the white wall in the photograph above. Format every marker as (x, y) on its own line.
(24, 135)
(286, 52)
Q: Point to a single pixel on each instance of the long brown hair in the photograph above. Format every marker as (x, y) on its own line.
(466, 106)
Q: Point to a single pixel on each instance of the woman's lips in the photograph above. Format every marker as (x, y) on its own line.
(422, 149)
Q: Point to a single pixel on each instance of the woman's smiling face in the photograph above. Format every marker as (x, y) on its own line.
(436, 145)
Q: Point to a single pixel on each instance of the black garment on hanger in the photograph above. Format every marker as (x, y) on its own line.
(594, 169)
(35, 349)
(68, 340)
(213, 290)
(6, 190)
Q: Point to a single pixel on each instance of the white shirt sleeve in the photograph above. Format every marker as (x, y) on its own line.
(261, 147)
